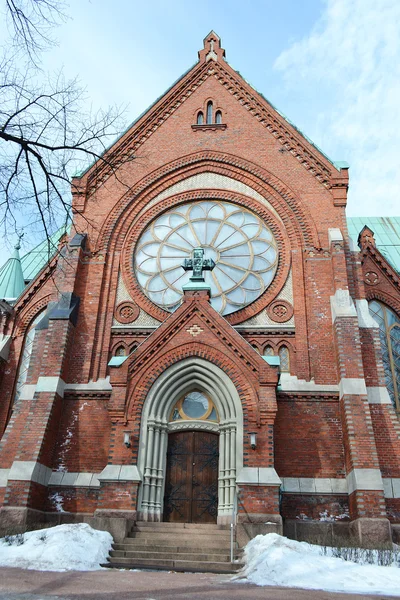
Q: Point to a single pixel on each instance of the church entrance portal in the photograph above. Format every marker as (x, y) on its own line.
(191, 486)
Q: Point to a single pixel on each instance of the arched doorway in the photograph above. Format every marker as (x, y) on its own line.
(158, 424)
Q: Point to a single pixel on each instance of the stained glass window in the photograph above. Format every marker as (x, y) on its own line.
(268, 351)
(389, 330)
(194, 406)
(285, 360)
(26, 355)
(209, 112)
(239, 242)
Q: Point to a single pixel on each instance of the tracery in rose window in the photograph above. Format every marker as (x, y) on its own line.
(239, 242)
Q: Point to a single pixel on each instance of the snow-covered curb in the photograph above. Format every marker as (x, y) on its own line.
(75, 547)
(275, 560)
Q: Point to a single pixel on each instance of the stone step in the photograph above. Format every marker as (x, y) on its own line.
(181, 533)
(132, 546)
(173, 540)
(157, 556)
(173, 565)
(163, 524)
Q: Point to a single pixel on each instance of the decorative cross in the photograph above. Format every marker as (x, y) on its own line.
(198, 264)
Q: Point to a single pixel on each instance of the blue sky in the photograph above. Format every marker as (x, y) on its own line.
(331, 66)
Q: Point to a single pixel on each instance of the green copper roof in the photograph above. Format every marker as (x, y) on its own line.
(17, 272)
(386, 232)
(35, 260)
(11, 277)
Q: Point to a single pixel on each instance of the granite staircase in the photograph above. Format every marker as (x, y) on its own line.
(176, 547)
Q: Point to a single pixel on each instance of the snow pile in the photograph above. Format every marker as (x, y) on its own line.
(275, 560)
(75, 547)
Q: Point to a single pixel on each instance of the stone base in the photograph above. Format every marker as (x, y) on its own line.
(365, 533)
(371, 533)
(110, 513)
(251, 525)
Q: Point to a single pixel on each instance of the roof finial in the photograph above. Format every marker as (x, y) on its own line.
(212, 48)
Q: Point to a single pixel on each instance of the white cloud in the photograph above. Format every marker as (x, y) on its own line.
(349, 68)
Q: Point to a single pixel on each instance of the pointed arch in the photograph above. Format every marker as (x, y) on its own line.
(190, 374)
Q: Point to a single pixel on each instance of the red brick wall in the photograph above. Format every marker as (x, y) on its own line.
(318, 507)
(72, 500)
(308, 438)
(83, 436)
(254, 499)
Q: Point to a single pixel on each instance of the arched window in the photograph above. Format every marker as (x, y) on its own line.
(120, 351)
(389, 330)
(218, 117)
(255, 348)
(209, 112)
(268, 351)
(26, 355)
(200, 118)
(285, 360)
(194, 406)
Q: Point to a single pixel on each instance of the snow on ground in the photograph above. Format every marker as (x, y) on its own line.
(275, 560)
(75, 547)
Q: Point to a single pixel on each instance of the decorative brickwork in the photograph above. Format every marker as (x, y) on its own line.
(88, 430)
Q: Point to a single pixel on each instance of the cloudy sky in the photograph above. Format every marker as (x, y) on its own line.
(331, 66)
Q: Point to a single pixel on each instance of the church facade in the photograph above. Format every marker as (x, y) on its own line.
(207, 343)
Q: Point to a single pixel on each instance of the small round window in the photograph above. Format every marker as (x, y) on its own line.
(194, 405)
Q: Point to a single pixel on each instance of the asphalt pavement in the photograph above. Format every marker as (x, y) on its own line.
(19, 584)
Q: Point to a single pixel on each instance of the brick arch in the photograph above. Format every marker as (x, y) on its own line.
(385, 298)
(119, 344)
(296, 218)
(131, 237)
(152, 369)
(29, 313)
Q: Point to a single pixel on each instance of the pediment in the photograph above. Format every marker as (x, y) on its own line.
(212, 64)
(372, 255)
(194, 325)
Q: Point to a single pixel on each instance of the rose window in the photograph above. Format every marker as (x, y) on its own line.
(239, 242)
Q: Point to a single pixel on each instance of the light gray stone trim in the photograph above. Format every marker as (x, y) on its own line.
(391, 487)
(51, 384)
(364, 479)
(310, 485)
(101, 385)
(193, 425)
(365, 319)
(378, 395)
(120, 473)
(5, 343)
(290, 383)
(352, 386)
(29, 470)
(4, 477)
(334, 235)
(56, 384)
(27, 391)
(353, 246)
(258, 476)
(64, 479)
(342, 305)
(179, 379)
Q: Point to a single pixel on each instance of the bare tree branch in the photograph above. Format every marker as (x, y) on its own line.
(46, 136)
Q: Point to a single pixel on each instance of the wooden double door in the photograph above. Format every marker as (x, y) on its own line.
(191, 485)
